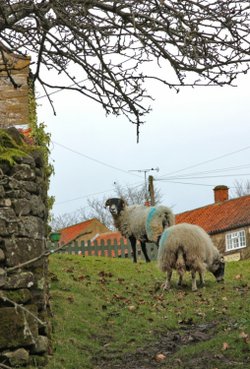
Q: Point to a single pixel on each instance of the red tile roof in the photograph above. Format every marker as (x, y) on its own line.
(70, 233)
(219, 217)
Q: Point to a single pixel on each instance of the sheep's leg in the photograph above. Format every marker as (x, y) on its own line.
(166, 285)
(202, 279)
(132, 240)
(180, 280)
(144, 250)
(180, 266)
(194, 285)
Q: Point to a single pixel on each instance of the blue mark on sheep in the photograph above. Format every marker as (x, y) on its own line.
(164, 237)
(150, 216)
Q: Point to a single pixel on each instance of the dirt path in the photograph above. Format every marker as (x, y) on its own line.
(166, 344)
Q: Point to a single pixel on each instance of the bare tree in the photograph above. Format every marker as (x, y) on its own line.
(109, 43)
(241, 188)
(63, 220)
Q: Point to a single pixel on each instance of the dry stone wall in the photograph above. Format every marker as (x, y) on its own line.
(24, 326)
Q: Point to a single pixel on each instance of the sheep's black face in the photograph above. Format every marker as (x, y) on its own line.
(113, 209)
(219, 270)
(115, 205)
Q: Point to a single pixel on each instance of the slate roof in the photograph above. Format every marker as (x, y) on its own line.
(219, 217)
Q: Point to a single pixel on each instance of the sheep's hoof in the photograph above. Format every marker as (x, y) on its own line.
(165, 287)
(194, 289)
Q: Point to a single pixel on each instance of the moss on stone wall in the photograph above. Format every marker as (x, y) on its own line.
(10, 149)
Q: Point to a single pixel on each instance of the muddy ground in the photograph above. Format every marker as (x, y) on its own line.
(159, 354)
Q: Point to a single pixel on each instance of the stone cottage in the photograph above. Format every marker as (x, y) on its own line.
(227, 221)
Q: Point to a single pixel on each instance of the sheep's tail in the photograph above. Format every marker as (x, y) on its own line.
(180, 264)
(158, 218)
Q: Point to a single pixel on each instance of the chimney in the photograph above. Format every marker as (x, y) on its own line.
(220, 193)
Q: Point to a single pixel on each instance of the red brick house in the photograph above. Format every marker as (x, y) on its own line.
(83, 231)
(227, 221)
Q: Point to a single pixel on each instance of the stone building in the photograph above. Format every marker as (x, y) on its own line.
(14, 89)
(227, 221)
(24, 293)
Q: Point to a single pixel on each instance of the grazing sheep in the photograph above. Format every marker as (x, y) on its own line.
(188, 247)
(139, 222)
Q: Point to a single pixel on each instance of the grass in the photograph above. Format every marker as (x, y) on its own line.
(105, 309)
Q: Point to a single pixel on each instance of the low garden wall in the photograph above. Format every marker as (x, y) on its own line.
(24, 307)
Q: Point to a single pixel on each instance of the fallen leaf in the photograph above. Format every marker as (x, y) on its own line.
(160, 357)
(245, 337)
(131, 308)
(225, 346)
(70, 299)
(238, 276)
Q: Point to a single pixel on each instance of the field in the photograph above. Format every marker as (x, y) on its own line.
(112, 314)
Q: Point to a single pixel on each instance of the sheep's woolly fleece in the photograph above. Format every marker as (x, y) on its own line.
(156, 217)
(193, 240)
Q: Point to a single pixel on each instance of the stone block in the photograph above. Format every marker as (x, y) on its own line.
(3, 277)
(20, 296)
(7, 214)
(41, 346)
(31, 226)
(17, 358)
(2, 191)
(23, 172)
(3, 228)
(22, 206)
(2, 255)
(30, 187)
(19, 280)
(20, 250)
(18, 328)
(37, 206)
(5, 202)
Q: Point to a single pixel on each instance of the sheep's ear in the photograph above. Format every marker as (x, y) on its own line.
(107, 203)
(222, 260)
(122, 203)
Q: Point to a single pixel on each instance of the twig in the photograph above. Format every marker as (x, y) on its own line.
(4, 298)
(5, 366)
(31, 261)
(44, 254)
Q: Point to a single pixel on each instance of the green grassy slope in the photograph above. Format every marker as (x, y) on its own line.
(106, 310)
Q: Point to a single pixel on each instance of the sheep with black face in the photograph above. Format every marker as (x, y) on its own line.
(139, 222)
(187, 247)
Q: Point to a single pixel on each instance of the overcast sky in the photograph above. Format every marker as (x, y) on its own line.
(194, 137)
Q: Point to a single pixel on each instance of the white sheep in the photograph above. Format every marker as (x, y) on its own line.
(187, 247)
(139, 222)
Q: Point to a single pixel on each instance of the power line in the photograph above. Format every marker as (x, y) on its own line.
(209, 171)
(208, 161)
(200, 177)
(60, 90)
(92, 194)
(93, 159)
(196, 184)
(170, 179)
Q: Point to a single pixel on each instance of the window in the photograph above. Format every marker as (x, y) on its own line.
(235, 240)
